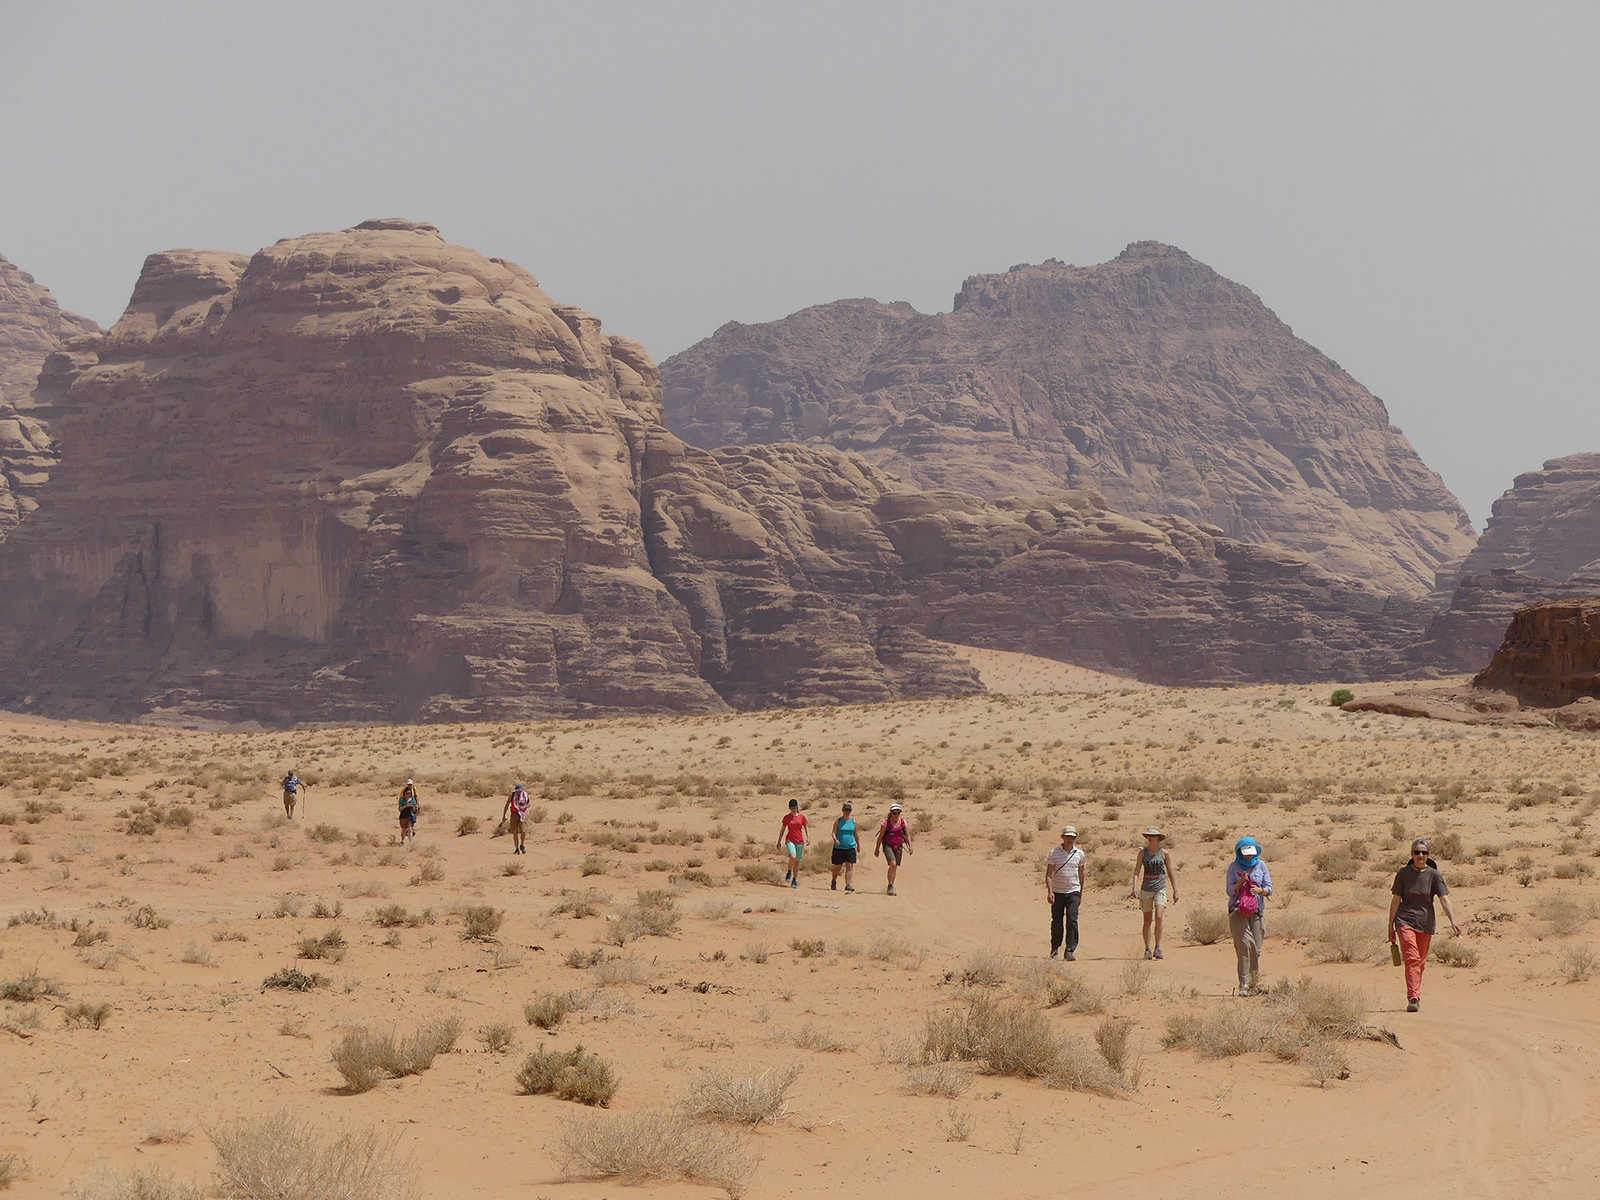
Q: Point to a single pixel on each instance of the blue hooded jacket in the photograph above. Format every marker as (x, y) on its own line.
(1240, 866)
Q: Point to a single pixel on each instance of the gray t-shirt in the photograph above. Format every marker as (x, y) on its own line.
(1416, 890)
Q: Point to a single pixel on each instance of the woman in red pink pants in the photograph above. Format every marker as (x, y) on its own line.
(1411, 919)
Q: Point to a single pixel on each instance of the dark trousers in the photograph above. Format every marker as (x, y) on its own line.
(1065, 906)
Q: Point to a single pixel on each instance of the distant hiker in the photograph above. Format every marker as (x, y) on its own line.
(410, 808)
(514, 817)
(792, 839)
(1155, 885)
(1063, 890)
(291, 792)
(844, 849)
(893, 841)
(1411, 917)
(1249, 885)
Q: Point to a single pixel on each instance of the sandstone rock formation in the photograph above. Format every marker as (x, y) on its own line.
(32, 326)
(1151, 379)
(1542, 543)
(1059, 575)
(1550, 656)
(371, 475)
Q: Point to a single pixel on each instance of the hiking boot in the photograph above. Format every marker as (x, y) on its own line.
(1158, 953)
(1244, 991)
(833, 885)
(794, 883)
(1053, 953)
(1147, 953)
(1070, 956)
(891, 889)
(1413, 1005)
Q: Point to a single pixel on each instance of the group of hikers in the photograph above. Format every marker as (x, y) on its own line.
(1154, 881)
(1248, 885)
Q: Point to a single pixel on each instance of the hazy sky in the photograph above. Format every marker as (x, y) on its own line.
(1411, 186)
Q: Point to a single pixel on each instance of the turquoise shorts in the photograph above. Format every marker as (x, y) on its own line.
(796, 850)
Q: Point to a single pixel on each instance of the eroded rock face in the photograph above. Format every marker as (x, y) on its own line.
(1550, 657)
(364, 474)
(32, 327)
(1151, 379)
(1542, 543)
(744, 536)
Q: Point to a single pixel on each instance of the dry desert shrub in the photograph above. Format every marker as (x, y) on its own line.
(614, 971)
(1295, 1017)
(87, 1016)
(568, 1075)
(1345, 940)
(655, 1146)
(547, 1011)
(808, 947)
(497, 1038)
(1206, 926)
(653, 914)
(761, 1098)
(1578, 963)
(758, 872)
(134, 1185)
(467, 826)
(1007, 1037)
(330, 946)
(937, 1079)
(1455, 953)
(365, 1058)
(25, 989)
(284, 1158)
(578, 905)
(12, 1168)
(984, 968)
(812, 1038)
(480, 922)
(1060, 989)
(146, 917)
(1325, 1059)
(1113, 1037)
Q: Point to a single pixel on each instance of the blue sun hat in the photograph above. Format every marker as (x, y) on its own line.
(1246, 852)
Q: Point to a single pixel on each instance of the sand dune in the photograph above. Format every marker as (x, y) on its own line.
(1491, 1091)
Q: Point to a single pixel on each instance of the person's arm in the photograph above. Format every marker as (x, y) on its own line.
(506, 808)
(1172, 877)
(1138, 867)
(1082, 858)
(877, 842)
(910, 849)
(1394, 907)
(783, 830)
(1265, 886)
(1049, 893)
(805, 830)
(1449, 912)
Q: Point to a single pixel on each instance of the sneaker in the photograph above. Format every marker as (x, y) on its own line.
(1255, 981)
(1244, 991)
(1413, 1005)
(1147, 953)
(787, 876)
(1158, 953)
(1070, 956)
(833, 885)
(891, 889)
(1053, 953)
(794, 883)
(848, 888)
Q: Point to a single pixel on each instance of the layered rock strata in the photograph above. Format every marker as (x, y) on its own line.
(1542, 543)
(32, 327)
(1151, 379)
(1550, 657)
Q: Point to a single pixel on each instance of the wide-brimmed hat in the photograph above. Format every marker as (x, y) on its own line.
(1154, 832)
(1069, 831)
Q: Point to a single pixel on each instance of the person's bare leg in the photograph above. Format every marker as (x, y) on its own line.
(1149, 917)
(1159, 914)
(849, 877)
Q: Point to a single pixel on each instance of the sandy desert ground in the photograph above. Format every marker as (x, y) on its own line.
(152, 871)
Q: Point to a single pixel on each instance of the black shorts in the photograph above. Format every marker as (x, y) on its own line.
(843, 856)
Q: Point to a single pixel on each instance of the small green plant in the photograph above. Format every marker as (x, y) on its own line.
(1341, 697)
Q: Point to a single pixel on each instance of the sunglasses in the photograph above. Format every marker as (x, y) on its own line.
(1419, 854)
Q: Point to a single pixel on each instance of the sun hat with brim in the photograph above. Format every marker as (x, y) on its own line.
(1069, 831)
(895, 808)
(1154, 832)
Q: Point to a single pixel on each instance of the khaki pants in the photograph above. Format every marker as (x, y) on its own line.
(1249, 934)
